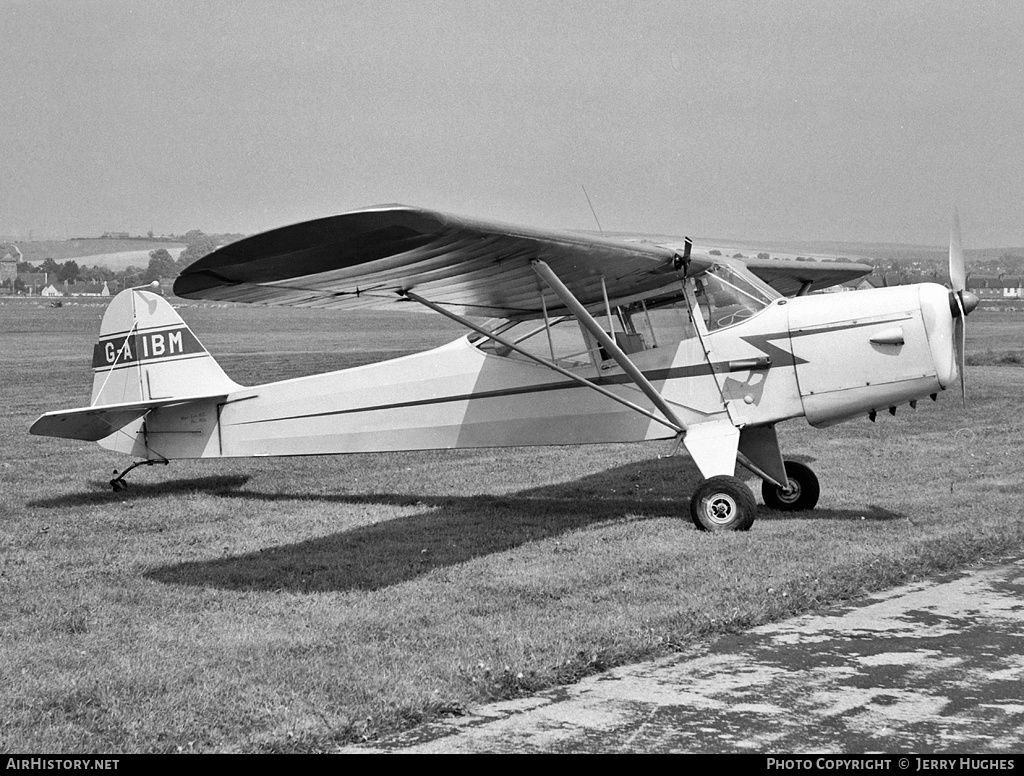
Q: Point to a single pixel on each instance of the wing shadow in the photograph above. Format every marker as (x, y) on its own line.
(446, 531)
(452, 530)
(872, 512)
(455, 530)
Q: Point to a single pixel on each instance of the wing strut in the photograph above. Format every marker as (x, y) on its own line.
(607, 341)
(671, 422)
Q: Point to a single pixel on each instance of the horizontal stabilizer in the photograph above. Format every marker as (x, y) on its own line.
(92, 424)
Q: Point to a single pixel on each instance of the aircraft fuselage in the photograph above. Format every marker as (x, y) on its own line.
(824, 357)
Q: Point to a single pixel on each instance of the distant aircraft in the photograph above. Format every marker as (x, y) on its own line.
(587, 340)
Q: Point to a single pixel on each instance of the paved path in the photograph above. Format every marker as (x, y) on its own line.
(931, 667)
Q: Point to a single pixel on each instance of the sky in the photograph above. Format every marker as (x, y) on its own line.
(811, 121)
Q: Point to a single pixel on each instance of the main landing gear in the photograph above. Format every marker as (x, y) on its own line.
(802, 493)
(725, 503)
(119, 483)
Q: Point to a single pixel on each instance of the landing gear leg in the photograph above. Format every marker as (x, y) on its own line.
(119, 483)
(723, 503)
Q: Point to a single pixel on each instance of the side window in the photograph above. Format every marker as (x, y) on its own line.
(664, 323)
(564, 338)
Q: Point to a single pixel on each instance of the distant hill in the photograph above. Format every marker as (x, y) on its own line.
(115, 254)
(118, 254)
(124, 259)
(869, 251)
(852, 251)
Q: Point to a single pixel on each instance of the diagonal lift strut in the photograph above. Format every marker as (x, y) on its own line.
(607, 341)
(669, 419)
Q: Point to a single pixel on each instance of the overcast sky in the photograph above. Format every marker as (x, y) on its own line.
(813, 120)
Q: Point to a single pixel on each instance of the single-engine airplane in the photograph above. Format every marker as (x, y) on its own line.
(587, 339)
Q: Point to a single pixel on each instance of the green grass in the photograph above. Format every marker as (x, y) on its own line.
(298, 604)
(995, 338)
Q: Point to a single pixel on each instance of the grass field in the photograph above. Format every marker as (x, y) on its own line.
(298, 604)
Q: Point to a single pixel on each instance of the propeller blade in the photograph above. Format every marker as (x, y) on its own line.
(965, 300)
(957, 268)
(960, 345)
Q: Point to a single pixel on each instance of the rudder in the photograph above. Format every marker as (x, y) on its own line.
(146, 352)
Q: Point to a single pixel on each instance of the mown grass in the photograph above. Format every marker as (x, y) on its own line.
(298, 604)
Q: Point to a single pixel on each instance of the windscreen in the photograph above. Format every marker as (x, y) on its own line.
(728, 295)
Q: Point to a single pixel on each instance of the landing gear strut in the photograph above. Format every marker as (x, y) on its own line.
(119, 483)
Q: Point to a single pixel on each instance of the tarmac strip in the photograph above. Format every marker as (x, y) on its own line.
(931, 667)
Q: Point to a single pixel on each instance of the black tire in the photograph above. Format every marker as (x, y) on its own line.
(723, 503)
(803, 490)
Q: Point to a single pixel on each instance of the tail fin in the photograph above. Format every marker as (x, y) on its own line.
(146, 353)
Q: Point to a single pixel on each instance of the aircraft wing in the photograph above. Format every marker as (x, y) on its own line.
(368, 258)
(788, 276)
(92, 424)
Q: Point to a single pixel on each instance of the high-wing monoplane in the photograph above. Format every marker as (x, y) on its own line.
(572, 339)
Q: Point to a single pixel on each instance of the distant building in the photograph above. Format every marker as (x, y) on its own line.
(89, 289)
(51, 290)
(986, 286)
(1013, 288)
(34, 282)
(8, 268)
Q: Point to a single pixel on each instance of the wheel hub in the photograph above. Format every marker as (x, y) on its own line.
(791, 493)
(720, 508)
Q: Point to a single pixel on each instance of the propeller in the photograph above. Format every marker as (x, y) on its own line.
(962, 302)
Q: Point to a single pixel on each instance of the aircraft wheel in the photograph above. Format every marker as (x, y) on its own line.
(723, 503)
(802, 493)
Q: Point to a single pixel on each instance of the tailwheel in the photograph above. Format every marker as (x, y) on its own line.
(117, 483)
(723, 503)
(802, 493)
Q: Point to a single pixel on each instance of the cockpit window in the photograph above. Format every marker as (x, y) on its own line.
(727, 295)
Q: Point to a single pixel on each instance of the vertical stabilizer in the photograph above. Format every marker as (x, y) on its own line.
(147, 353)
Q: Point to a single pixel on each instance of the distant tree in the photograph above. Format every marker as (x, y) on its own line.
(133, 276)
(161, 265)
(199, 245)
(715, 252)
(97, 274)
(737, 255)
(25, 268)
(763, 256)
(51, 268)
(69, 271)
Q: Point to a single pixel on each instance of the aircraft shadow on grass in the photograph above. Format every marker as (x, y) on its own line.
(453, 529)
(101, 493)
